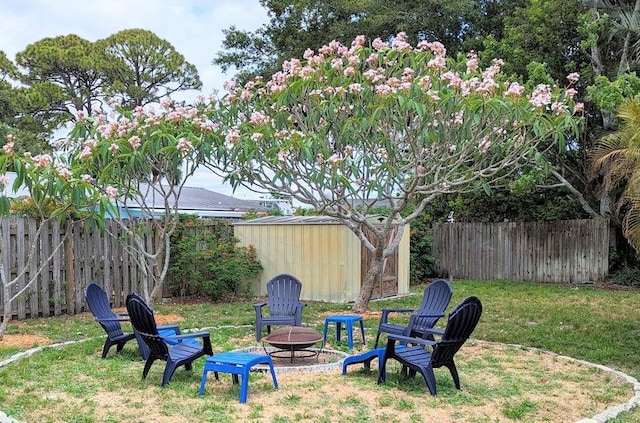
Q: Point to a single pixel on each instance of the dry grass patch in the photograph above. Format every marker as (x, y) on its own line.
(499, 384)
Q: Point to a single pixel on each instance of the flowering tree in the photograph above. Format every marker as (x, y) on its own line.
(141, 160)
(387, 124)
(57, 192)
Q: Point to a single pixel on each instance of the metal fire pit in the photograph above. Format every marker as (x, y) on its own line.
(292, 339)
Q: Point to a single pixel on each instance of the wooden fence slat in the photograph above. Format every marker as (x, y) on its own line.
(562, 252)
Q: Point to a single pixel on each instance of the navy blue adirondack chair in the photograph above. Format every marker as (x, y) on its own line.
(283, 301)
(422, 355)
(435, 300)
(182, 353)
(99, 305)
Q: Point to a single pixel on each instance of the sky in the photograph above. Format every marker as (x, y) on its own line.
(193, 27)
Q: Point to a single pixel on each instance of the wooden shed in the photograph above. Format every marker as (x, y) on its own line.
(325, 255)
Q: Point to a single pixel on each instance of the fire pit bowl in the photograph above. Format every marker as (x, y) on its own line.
(291, 339)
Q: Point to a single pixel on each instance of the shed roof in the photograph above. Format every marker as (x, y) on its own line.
(291, 220)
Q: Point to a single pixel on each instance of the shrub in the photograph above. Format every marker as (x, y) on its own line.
(205, 258)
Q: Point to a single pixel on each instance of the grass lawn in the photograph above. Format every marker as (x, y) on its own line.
(498, 384)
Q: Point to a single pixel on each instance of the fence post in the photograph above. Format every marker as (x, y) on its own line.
(71, 280)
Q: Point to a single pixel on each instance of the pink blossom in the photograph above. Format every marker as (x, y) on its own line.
(4, 181)
(348, 150)
(472, 62)
(111, 192)
(232, 136)
(485, 143)
(42, 160)
(558, 107)
(8, 148)
(384, 89)
(378, 44)
(438, 49)
(113, 148)
(424, 82)
(571, 92)
(400, 42)
(515, 90)
(86, 153)
(359, 41)
(453, 78)
(458, 117)
(258, 118)
(135, 142)
(336, 63)
(437, 63)
(63, 171)
(355, 88)
(256, 136)
(283, 155)
(80, 116)
(308, 53)
(184, 145)
(334, 159)
(578, 107)
(407, 74)
(373, 58)
(541, 96)
(86, 178)
(349, 71)
(573, 77)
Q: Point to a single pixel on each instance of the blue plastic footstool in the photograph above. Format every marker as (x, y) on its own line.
(365, 358)
(236, 363)
(347, 320)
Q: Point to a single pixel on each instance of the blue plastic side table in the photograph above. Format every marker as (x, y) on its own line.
(348, 321)
(236, 363)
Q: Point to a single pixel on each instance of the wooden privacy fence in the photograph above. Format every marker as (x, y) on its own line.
(573, 251)
(86, 255)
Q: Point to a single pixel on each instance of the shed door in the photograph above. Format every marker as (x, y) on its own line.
(388, 286)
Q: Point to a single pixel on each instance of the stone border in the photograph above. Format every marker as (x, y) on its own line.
(320, 367)
(603, 417)
(610, 412)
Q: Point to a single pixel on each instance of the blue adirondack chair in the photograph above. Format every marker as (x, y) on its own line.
(422, 355)
(183, 353)
(99, 305)
(283, 301)
(435, 300)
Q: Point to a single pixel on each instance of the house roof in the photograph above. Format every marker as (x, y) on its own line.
(202, 202)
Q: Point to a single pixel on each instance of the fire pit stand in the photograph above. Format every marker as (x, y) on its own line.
(292, 339)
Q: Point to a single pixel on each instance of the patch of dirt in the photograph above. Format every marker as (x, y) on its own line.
(25, 341)
(30, 341)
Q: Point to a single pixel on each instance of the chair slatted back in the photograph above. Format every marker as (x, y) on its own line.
(435, 299)
(144, 322)
(463, 319)
(283, 293)
(100, 307)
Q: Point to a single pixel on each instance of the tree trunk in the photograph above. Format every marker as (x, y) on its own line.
(374, 274)
(624, 59)
(6, 315)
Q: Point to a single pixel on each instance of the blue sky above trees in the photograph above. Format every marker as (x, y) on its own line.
(193, 27)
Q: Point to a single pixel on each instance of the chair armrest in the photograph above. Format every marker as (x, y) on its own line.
(385, 313)
(123, 314)
(435, 331)
(116, 319)
(187, 336)
(175, 328)
(258, 306)
(409, 340)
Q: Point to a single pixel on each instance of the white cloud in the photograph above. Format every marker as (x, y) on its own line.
(193, 27)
